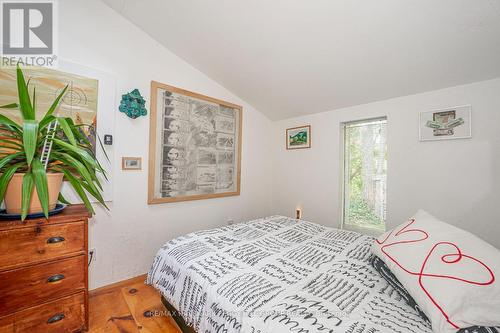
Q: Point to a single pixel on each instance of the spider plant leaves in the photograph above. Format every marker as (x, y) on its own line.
(11, 144)
(45, 122)
(78, 132)
(67, 130)
(76, 184)
(24, 97)
(87, 174)
(88, 180)
(27, 191)
(30, 136)
(9, 123)
(10, 106)
(71, 154)
(55, 104)
(102, 148)
(34, 99)
(62, 199)
(6, 132)
(7, 159)
(82, 153)
(95, 194)
(6, 177)
(42, 188)
(84, 142)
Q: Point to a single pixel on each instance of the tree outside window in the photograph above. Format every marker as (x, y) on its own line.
(365, 175)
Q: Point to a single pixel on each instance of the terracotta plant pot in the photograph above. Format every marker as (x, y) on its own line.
(15, 189)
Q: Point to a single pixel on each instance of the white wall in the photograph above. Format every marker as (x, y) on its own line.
(129, 235)
(456, 180)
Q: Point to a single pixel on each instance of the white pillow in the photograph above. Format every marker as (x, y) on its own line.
(453, 275)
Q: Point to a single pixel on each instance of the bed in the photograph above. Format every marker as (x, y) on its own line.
(278, 274)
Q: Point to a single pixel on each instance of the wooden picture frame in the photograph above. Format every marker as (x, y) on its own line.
(131, 163)
(298, 144)
(194, 146)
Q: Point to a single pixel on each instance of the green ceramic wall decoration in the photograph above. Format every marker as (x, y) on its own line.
(133, 104)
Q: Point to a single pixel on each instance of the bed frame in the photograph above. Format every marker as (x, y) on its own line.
(185, 328)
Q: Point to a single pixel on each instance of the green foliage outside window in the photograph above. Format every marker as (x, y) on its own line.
(365, 171)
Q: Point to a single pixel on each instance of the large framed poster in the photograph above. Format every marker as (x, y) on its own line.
(194, 146)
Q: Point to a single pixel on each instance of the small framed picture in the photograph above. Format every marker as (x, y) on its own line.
(131, 163)
(446, 124)
(298, 137)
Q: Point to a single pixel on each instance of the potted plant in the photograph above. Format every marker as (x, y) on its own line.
(36, 155)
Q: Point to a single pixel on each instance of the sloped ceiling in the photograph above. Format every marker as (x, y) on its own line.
(296, 57)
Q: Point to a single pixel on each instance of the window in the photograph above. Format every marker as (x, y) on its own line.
(365, 175)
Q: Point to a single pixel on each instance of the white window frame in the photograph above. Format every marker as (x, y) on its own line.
(343, 126)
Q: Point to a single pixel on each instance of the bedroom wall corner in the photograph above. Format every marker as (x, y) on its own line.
(455, 180)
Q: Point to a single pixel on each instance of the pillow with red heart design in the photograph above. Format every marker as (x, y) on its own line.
(453, 275)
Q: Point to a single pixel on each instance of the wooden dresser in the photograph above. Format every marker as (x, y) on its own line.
(43, 273)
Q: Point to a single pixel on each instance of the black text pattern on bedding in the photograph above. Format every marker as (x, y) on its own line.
(278, 274)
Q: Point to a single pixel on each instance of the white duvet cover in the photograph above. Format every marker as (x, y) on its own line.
(278, 274)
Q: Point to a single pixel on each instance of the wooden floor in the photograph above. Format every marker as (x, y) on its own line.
(129, 307)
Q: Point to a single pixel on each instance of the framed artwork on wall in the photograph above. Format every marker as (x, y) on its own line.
(79, 103)
(446, 124)
(298, 137)
(194, 147)
(131, 163)
(91, 92)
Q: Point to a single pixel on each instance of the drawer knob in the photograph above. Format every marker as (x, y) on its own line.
(55, 318)
(55, 278)
(54, 240)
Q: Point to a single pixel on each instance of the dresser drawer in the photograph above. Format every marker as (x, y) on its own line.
(26, 287)
(64, 315)
(38, 243)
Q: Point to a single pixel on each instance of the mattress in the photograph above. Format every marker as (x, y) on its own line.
(278, 274)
